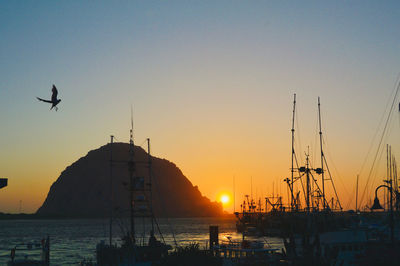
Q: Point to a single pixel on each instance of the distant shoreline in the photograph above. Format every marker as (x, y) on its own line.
(34, 216)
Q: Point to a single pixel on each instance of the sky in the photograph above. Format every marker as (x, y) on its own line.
(211, 84)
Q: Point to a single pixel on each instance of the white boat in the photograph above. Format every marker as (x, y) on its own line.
(246, 252)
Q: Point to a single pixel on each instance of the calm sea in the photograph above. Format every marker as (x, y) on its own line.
(72, 241)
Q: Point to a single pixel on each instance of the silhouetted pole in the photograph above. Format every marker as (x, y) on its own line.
(151, 186)
(308, 182)
(391, 199)
(291, 188)
(396, 184)
(131, 166)
(322, 155)
(111, 188)
(357, 194)
(234, 194)
(387, 175)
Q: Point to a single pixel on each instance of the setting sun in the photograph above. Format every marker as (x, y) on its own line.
(224, 199)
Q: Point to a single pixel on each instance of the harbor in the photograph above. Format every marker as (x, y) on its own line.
(262, 233)
(321, 232)
(199, 133)
(74, 240)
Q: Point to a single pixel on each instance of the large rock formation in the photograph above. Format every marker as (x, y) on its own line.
(83, 189)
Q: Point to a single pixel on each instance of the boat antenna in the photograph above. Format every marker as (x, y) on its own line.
(322, 155)
(323, 160)
(234, 194)
(131, 119)
(357, 194)
(251, 189)
(131, 166)
(150, 185)
(293, 154)
(111, 187)
(308, 179)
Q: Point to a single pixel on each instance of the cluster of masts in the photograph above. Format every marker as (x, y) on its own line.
(314, 192)
(311, 180)
(392, 194)
(273, 203)
(392, 180)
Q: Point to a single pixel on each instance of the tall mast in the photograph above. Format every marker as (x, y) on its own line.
(357, 195)
(251, 192)
(131, 166)
(151, 188)
(387, 161)
(308, 181)
(322, 155)
(111, 188)
(292, 170)
(390, 169)
(391, 199)
(234, 194)
(396, 182)
(387, 174)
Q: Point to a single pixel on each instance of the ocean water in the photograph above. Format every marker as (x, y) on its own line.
(74, 240)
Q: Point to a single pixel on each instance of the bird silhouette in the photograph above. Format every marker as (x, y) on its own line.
(54, 101)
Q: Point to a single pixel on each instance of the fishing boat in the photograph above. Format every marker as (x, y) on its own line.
(132, 251)
(277, 219)
(374, 240)
(243, 252)
(372, 237)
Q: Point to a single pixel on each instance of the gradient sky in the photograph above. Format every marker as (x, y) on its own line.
(211, 83)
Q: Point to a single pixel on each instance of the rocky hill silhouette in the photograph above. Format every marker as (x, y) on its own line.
(83, 188)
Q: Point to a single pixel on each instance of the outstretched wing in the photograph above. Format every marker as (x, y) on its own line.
(54, 95)
(46, 101)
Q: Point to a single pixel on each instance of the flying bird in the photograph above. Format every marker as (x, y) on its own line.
(54, 101)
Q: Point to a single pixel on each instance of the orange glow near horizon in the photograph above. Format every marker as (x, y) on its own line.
(212, 88)
(225, 197)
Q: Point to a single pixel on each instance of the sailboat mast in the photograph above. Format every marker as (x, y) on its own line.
(322, 155)
(292, 169)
